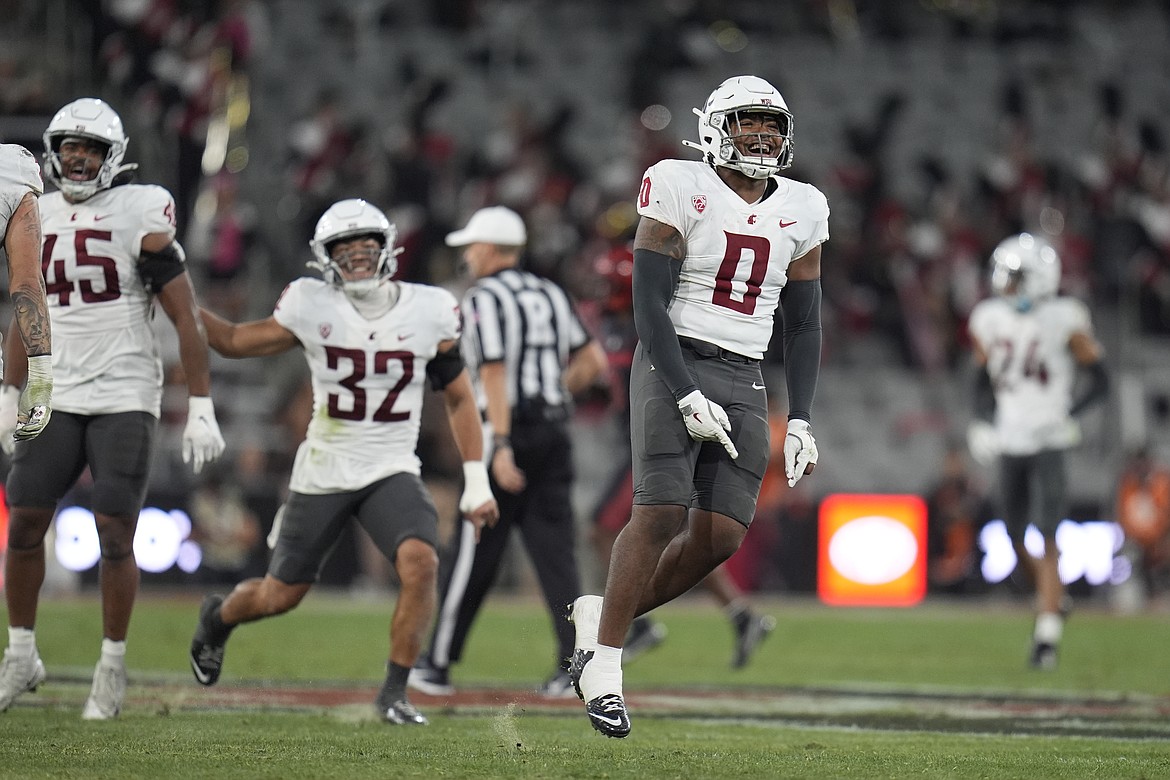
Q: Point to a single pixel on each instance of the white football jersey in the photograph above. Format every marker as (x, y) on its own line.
(105, 355)
(738, 253)
(367, 380)
(19, 175)
(1031, 367)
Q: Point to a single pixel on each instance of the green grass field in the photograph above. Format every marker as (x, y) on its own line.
(940, 690)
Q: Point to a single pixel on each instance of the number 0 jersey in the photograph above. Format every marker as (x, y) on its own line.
(105, 355)
(737, 253)
(19, 175)
(367, 379)
(1031, 367)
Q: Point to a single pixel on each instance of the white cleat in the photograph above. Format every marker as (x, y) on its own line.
(19, 674)
(107, 693)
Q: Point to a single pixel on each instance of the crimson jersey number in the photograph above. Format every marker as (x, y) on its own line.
(361, 366)
(1011, 366)
(757, 249)
(57, 281)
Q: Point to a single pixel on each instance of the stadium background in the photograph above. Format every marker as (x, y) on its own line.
(935, 128)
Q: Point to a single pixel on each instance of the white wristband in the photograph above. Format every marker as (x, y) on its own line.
(200, 406)
(475, 478)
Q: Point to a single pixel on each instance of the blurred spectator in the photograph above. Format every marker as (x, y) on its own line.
(223, 526)
(957, 507)
(1143, 511)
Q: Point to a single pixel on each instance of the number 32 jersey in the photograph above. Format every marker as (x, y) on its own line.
(367, 377)
(737, 253)
(105, 355)
(1031, 367)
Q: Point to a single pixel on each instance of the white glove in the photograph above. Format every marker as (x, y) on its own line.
(800, 450)
(983, 442)
(1061, 435)
(476, 490)
(9, 400)
(202, 441)
(706, 421)
(35, 405)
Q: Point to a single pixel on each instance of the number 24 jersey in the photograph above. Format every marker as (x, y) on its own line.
(737, 253)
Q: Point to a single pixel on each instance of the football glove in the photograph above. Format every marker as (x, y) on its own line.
(800, 451)
(983, 442)
(202, 441)
(35, 407)
(476, 489)
(706, 421)
(1061, 435)
(9, 401)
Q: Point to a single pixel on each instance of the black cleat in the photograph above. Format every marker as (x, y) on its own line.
(644, 634)
(750, 630)
(207, 651)
(1043, 656)
(576, 667)
(608, 715)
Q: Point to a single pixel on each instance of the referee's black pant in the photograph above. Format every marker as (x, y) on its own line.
(543, 514)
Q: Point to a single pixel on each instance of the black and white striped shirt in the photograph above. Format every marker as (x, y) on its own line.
(528, 323)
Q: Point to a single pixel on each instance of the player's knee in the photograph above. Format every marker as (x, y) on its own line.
(116, 536)
(417, 563)
(27, 528)
(279, 597)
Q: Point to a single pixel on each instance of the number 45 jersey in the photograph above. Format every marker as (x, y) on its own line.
(105, 355)
(737, 253)
(367, 377)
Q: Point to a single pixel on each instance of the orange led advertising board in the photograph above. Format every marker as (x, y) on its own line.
(872, 550)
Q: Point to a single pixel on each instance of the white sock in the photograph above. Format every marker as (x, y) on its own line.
(22, 641)
(113, 653)
(603, 674)
(1049, 628)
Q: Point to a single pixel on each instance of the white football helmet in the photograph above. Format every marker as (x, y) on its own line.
(92, 119)
(350, 219)
(717, 119)
(1025, 269)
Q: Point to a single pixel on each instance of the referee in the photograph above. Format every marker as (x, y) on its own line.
(528, 354)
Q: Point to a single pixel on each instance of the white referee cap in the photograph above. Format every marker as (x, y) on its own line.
(491, 225)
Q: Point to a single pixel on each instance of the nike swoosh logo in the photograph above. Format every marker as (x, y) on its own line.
(104, 216)
(784, 224)
(757, 387)
(604, 719)
(404, 338)
(199, 675)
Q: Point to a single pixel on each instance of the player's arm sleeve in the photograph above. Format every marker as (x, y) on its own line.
(800, 301)
(655, 278)
(984, 397)
(1095, 389)
(158, 268)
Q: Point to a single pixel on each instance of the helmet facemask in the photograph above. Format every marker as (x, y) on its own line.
(87, 119)
(757, 151)
(345, 221)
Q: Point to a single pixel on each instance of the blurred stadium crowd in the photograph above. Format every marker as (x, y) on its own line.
(935, 127)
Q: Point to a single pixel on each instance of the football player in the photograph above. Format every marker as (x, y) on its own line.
(108, 255)
(20, 237)
(718, 240)
(370, 342)
(1030, 344)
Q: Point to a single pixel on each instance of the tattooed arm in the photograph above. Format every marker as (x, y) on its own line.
(26, 285)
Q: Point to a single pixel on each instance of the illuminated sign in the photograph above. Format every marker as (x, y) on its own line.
(161, 540)
(872, 550)
(1089, 550)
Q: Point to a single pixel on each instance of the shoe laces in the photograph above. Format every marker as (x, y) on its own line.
(13, 667)
(211, 654)
(611, 702)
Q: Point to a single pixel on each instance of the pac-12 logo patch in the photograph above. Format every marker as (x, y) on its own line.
(699, 202)
(324, 329)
